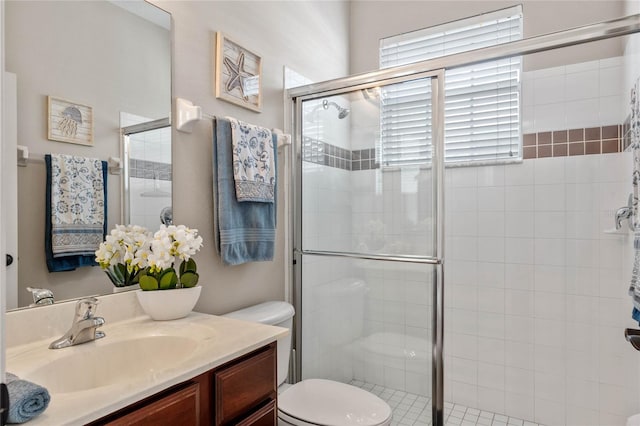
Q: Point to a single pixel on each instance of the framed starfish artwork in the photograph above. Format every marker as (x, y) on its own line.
(238, 74)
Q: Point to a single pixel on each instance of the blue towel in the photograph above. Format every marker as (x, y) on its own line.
(247, 230)
(67, 263)
(635, 314)
(26, 399)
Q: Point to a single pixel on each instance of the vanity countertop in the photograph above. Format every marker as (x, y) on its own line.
(200, 341)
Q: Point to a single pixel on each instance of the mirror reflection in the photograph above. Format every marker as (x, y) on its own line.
(111, 56)
(147, 173)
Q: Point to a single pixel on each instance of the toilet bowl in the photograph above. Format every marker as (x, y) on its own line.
(316, 402)
(634, 420)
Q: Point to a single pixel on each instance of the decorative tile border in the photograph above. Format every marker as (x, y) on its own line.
(364, 159)
(559, 143)
(149, 169)
(318, 152)
(562, 143)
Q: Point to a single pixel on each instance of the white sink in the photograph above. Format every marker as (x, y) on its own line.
(137, 358)
(111, 363)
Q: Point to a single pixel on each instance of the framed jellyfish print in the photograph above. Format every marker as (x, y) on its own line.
(238, 74)
(69, 121)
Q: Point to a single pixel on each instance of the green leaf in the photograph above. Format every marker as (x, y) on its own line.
(189, 279)
(134, 278)
(113, 279)
(188, 266)
(147, 282)
(118, 272)
(168, 279)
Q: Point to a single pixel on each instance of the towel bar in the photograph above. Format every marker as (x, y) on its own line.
(25, 157)
(187, 113)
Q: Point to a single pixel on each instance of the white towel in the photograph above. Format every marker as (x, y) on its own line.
(254, 169)
(77, 205)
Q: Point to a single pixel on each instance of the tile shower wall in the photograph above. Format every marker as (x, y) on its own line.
(537, 284)
(574, 96)
(562, 143)
(146, 210)
(332, 299)
(536, 299)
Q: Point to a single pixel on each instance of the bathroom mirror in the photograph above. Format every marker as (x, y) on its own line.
(115, 58)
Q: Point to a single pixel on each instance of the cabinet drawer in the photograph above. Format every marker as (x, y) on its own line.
(266, 416)
(179, 408)
(242, 386)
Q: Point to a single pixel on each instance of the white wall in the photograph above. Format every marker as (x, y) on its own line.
(306, 36)
(371, 21)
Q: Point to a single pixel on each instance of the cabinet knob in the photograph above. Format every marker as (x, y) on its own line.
(9, 259)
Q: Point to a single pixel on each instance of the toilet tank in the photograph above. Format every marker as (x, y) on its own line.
(272, 313)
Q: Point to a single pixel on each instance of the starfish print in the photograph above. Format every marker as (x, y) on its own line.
(237, 74)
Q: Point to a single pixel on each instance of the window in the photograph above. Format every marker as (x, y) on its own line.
(482, 101)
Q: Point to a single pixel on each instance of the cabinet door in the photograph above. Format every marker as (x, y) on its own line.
(266, 416)
(179, 408)
(245, 385)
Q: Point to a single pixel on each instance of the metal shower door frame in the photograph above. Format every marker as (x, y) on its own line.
(437, 130)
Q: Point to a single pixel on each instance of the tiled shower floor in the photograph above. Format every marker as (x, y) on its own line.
(415, 410)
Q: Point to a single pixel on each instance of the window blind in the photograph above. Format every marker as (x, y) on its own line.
(482, 101)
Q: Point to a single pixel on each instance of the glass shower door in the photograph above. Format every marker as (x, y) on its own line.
(369, 242)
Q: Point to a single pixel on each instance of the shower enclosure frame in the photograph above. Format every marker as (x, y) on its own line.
(434, 68)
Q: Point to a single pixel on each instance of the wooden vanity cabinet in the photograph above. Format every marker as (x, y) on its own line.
(242, 392)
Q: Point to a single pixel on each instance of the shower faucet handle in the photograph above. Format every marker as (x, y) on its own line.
(625, 212)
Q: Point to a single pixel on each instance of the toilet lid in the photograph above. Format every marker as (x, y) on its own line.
(329, 403)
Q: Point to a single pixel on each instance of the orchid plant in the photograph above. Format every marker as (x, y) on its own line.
(132, 255)
(122, 254)
(168, 245)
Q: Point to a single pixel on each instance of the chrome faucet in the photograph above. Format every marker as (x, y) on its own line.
(83, 328)
(41, 296)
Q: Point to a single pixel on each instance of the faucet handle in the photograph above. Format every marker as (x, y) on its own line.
(86, 307)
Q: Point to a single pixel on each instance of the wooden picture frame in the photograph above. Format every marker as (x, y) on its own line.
(238, 74)
(69, 121)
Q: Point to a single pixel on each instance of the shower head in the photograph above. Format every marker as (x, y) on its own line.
(342, 112)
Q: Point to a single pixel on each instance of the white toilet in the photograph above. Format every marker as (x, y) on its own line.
(316, 402)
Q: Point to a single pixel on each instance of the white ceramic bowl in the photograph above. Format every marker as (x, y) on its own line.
(164, 305)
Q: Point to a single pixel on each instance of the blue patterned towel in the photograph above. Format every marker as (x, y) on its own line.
(254, 157)
(68, 262)
(245, 231)
(77, 205)
(26, 399)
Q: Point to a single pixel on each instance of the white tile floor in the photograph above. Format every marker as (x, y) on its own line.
(415, 410)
